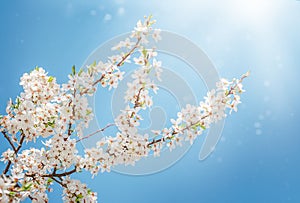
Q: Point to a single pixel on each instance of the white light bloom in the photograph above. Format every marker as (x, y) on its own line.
(156, 35)
(141, 27)
(75, 191)
(6, 186)
(157, 65)
(8, 155)
(62, 153)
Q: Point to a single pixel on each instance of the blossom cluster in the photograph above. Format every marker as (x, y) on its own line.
(57, 115)
(129, 146)
(75, 191)
(192, 120)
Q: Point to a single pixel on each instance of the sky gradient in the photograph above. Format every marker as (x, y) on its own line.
(257, 159)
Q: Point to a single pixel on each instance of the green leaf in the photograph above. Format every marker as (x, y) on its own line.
(198, 125)
(16, 106)
(73, 70)
(88, 112)
(144, 52)
(226, 92)
(80, 71)
(50, 79)
(203, 127)
(37, 68)
(79, 197)
(50, 123)
(170, 138)
(11, 193)
(49, 180)
(26, 187)
(94, 64)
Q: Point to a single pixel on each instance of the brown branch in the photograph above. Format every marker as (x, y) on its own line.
(31, 198)
(118, 65)
(9, 140)
(99, 80)
(175, 132)
(16, 151)
(59, 182)
(60, 174)
(240, 81)
(7, 167)
(94, 133)
(137, 103)
(73, 114)
(130, 52)
(54, 174)
(21, 142)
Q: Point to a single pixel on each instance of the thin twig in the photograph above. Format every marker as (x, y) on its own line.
(118, 65)
(176, 132)
(59, 182)
(137, 101)
(52, 175)
(94, 133)
(16, 152)
(73, 114)
(9, 140)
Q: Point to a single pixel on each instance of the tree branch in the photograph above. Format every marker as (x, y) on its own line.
(59, 182)
(9, 140)
(54, 174)
(94, 133)
(175, 132)
(16, 152)
(118, 65)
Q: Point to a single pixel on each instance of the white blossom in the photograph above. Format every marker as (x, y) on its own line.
(57, 115)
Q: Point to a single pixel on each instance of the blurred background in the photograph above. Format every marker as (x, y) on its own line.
(257, 159)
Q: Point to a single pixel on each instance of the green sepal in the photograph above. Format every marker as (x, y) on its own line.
(88, 112)
(11, 193)
(73, 70)
(203, 127)
(50, 123)
(80, 71)
(144, 52)
(50, 79)
(26, 187)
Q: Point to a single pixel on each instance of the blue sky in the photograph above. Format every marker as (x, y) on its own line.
(257, 159)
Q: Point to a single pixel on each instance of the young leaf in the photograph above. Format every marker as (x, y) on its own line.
(50, 79)
(73, 70)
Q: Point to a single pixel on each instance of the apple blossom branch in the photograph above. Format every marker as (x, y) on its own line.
(58, 114)
(232, 91)
(47, 110)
